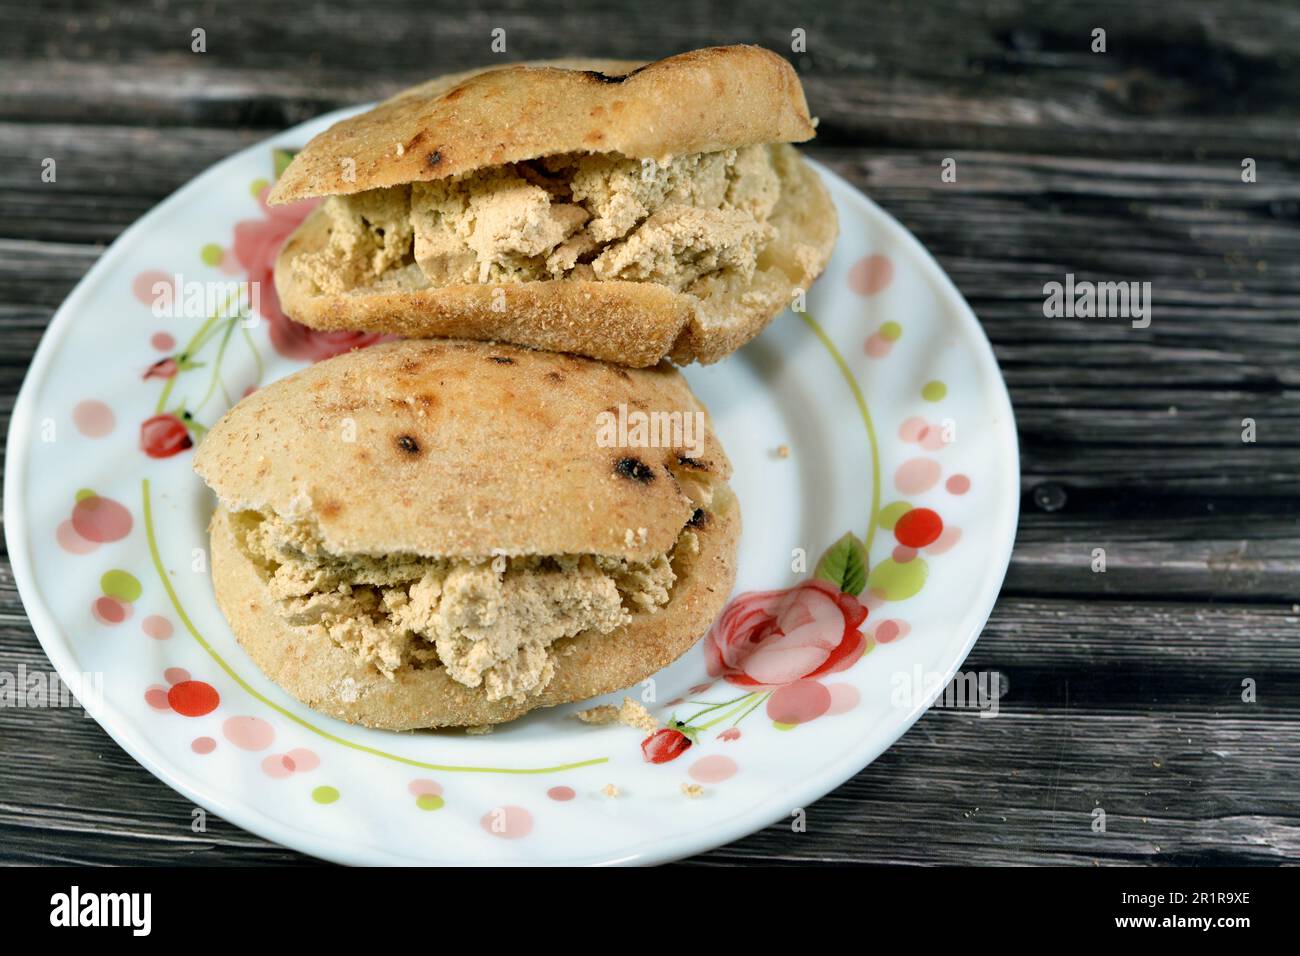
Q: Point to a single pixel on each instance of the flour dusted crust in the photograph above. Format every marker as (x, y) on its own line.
(461, 453)
(701, 101)
(328, 679)
(459, 449)
(632, 323)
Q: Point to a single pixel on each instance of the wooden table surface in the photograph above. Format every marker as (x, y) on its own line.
(1124, 689)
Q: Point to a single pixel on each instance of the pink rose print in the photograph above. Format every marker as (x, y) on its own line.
(778, 637)
(257, 243)
(777, 646)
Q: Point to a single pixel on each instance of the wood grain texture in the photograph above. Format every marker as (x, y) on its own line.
(1123, 689)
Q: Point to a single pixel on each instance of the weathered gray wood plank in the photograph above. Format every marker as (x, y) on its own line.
(1016, 76)
(1123, 687)
(1211, 779)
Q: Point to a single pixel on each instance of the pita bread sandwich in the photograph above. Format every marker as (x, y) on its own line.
(441, 533)
(620, 210)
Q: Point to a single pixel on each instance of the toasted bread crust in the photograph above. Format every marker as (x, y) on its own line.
(315, 670)
(463, 449)
(701, 101)
(632, 323)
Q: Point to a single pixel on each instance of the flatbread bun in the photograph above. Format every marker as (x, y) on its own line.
(701, 101)
(705, 100)
(632, 323)
(462, 449)
(315, 670)
(466, 449)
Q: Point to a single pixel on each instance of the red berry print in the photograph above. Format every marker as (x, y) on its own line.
(918, 527)
(163, 436)
(664, 745)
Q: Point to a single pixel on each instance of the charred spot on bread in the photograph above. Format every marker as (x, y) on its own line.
(408, 444)
(606, 78)
(635, 469)
(694, 464)
(434, 158)
(501, 359)
(699, 518)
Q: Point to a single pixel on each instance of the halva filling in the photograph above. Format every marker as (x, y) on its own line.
(590, 216)
(490, 623)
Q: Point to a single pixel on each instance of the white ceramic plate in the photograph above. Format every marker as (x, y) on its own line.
(885, 395)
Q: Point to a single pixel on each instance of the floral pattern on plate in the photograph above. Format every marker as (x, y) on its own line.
(785, 696)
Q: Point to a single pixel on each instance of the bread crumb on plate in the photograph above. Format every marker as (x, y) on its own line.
(630, 714)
